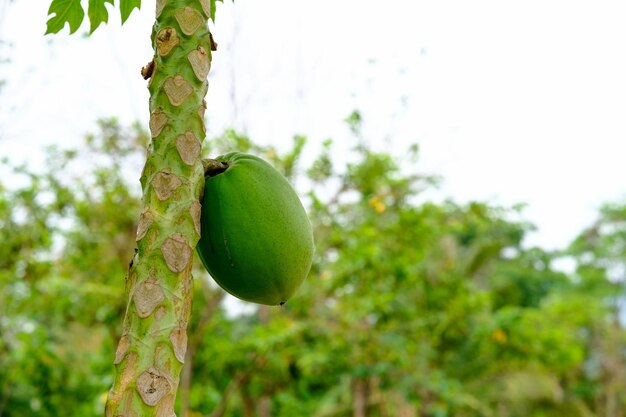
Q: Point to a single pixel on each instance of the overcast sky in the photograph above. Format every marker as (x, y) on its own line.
(510, 101)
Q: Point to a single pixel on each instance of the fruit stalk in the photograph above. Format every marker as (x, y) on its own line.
(151, 351)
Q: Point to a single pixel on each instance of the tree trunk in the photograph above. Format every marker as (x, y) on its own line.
(246, 398)
(151, 351)
(360, 397)
(265, 406)
(265, 402)
(228, 392)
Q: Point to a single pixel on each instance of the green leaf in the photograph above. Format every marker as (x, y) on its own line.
(127, 6)
(69, 11)
(97, 13)
(213, 2)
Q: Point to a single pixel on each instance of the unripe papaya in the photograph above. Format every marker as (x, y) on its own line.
(256, 239)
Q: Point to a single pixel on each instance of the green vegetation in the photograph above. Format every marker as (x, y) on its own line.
(256, 239)
(411, 309)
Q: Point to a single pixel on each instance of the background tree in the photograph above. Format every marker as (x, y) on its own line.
(413, 308)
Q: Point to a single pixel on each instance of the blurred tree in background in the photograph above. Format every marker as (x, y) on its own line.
(412, 308)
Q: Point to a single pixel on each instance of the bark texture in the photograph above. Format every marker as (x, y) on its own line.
(152, 348)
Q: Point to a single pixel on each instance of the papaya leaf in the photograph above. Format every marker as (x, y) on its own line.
(213, 2)
(97, 13)
(127, 6)
(65, 11)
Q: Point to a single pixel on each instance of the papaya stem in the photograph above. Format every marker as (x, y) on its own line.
(213, 167)
(152, 349)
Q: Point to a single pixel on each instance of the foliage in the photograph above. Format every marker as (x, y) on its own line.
(413, 308)
(67, 236)
(71, 12)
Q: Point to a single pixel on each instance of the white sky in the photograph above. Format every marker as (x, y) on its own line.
(510, 101)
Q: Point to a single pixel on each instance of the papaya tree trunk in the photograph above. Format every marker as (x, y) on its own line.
(151, 351)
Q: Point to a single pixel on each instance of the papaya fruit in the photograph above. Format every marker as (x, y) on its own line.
(256, 238)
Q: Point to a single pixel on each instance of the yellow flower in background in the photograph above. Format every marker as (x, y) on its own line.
(377, 204)
(499, 336)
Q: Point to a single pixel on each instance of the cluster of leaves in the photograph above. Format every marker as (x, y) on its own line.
(66, 238)
(412, 308)
(71, 12)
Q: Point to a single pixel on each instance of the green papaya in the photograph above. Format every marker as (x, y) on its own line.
(256, 239)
